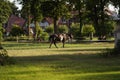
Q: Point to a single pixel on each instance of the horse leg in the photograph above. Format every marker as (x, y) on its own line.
(50, 44)
(63, 43)
(55, 44)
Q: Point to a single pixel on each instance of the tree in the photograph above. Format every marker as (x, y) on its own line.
(54, 9)
(97, 15)
(31, 11)
(116, 3)
(63, 29)
(80, 7)
(5, 11)
(26, 13)
(1, 33)
(36, 13)
(14, 8)
(16, 31)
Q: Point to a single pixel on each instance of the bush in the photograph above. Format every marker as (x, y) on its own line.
(63, 29)
(87, 30)
(105, 30)
(16, 31)
(49, 30)
(75, 30)
(1, 32)
(4, 58)
(39, 32)
(39, 29)
(44, 36)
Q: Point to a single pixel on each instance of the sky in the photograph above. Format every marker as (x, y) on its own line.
(17, 4)
(112, 8)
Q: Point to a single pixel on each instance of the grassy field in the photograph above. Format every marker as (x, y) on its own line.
(35, 61)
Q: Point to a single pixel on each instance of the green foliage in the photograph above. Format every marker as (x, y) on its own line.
(39, 30)
(49, 29)
(4, 58)
(41, 34)
(36, 10)
(88, 29)
(75, 30)
(1, 32)
(44, 36)
(5, 11)
(54, 9)
(63, 29)
(16, 31)
(106, 29)
(14, 8)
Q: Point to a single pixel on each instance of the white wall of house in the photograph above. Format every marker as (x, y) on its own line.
(44, 24)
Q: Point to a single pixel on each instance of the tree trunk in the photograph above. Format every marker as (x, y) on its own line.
(17, 38)
(117, 35)
(91, 35)
(55, 25)
(95, 18)
(102, 14)
(35, 33)
(28, 26)
(80, 16)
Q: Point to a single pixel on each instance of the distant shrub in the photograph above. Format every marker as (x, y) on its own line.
(63, 29)
(44, 36)
(88, 29)
(1, 32)
(105, 29)
(4, 58)
(49, 29)
(16, 31)
(75, 30)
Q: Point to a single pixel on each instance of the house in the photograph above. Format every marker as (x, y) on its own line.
(44, 23)
(14, 20)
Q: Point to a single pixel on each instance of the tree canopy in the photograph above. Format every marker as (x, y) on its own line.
(89, 11)
(5, 11)
(55, 10)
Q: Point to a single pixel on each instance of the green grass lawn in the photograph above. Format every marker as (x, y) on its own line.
(35, 61)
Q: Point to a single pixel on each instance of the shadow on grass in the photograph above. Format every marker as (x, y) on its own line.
(65, 67)
(58, 57)
(74, 50)
(73, 63)
(24, 46)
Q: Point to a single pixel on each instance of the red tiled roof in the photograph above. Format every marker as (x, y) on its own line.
(14, 20)
(50, 20)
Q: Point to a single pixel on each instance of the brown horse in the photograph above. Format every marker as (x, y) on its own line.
(54, 38)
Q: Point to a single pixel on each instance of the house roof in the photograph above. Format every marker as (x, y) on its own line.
(14, 20)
